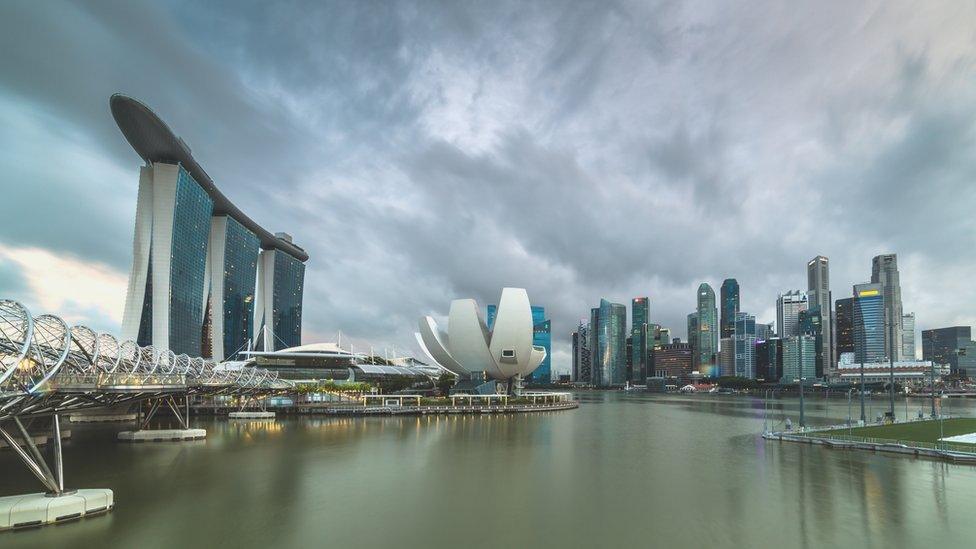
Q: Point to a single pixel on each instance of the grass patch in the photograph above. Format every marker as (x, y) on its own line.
(917, 431)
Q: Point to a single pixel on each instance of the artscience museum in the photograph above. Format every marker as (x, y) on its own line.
(485, 358)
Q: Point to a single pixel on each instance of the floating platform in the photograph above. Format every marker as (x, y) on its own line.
(251, 415)
(40, 509)
(162, 435)
(102, 418)
(40, 440)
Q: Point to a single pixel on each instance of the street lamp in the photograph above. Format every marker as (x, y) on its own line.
(850, 420)
(802, 422)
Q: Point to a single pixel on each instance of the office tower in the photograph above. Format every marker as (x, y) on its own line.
(541, 337)
(869, 323)
(769, 359)
(674, 360)
(884, 271)
(204, 275)
(726, 358)
(799, 359)
(788, 307)
(581, 353)
(641, 335)
(765, 331)
(707, 334)
(693, 338)
(844, 326)
(744, 342)
(593, 344)
(811, 324)
(610, 361)
(729, 296)
(818, 294)
(952, 346)
(908, 336)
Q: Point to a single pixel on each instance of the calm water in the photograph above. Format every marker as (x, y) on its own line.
(623, 469)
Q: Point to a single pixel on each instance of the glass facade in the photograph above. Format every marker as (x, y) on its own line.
(240, 271)
(844, 317)
(610, 362)
(707, 336)
(869, 323)
(729, 294)
(811, 324)
(289, 282)
(541, 337)
(769, 359)
(799, 359)
(642, 339)
(188, 263)
(952, 346)
(744, 341)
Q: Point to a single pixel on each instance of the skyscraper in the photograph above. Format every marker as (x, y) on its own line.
(818, 293)
(799, 359)
(844, 323)
(884, 271)
(769, 359)
(610, 361)
(581, 353)
(674, 361)
(908, 336)
(811, 324)
(788, 307)
(765, 331)
(693, 338)
(952, 346)
(707, 340)
(729, 296)
(726, 357)
(869, 324)
(206, 280)
(642, 336)
(744, 341)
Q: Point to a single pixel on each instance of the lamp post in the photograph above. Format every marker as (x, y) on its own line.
(802, 422)
(850, 420)
(933, 389)
(864, 418)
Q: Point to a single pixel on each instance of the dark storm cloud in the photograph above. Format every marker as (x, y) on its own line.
(424, 151)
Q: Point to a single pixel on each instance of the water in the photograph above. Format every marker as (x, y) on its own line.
(622, 470)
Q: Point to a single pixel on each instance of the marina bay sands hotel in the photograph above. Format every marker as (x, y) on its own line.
(206, 280)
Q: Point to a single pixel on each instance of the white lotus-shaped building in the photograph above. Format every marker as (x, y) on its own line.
(469, 347)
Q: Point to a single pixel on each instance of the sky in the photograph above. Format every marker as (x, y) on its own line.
(427, 151)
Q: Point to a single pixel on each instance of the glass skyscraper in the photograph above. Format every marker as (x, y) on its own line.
(811, 324)
(869, 323)
(744, 342)
(609, 362)
(952, 346)
(729, 297)
(234, 259)
(642, 339)
(844, 316)
(707, 331)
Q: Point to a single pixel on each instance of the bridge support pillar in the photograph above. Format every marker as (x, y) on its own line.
(57, 504)
(181, 411)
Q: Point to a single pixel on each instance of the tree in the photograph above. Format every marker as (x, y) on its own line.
(445, 382)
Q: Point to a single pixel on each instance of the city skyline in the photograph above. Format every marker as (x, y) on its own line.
(362, 175)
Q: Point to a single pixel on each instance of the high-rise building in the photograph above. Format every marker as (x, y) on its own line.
(884, 271)
(818, 294)
(788, 307)
(726, 357)
(642, 336)
(206, 280)
(729, 297)
(769, 359)
(811, 324)
(693, 338)
(609, 363)
(765, 331)
(799, 359)
(952, 346)
(674, 361)
(581, 353)
(908, 336)
(541, 337)
(869, 323)
(844, 326)
(744, 342)
(706, 343)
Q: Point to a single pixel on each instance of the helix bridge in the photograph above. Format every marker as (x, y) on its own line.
(48, 368)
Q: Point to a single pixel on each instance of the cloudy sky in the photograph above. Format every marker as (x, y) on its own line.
(426, 151)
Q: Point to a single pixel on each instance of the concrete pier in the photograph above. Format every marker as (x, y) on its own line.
(39, 509)
(40, 440)
(162, 435)
(102, 418)
(251, 415)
